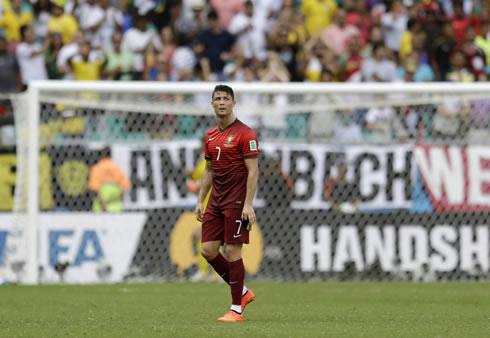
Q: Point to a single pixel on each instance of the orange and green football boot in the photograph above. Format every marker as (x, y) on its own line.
(231, 317)
(247, 299)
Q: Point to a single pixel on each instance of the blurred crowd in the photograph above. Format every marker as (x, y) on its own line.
(246, 40)
(252, 40)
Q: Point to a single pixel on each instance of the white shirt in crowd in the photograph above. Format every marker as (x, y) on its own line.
(384, 70)
(135, 41)
(251, 42)
(262, 9)
(393, 29)
(31, 67)
(183, 58)
(110, 18)
(383, 119)
(41, 26)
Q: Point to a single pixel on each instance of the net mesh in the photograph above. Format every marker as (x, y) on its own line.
(366, 186)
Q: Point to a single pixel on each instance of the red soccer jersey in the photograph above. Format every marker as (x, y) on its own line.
(227, 149)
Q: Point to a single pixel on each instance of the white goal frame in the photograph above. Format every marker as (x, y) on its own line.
(36, 89)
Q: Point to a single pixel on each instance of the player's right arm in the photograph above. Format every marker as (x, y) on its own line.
(206, 182)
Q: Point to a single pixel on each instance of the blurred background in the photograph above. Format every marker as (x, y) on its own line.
(358, 182)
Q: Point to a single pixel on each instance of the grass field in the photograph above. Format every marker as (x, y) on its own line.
(280, 309)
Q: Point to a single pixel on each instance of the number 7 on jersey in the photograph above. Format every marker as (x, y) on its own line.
(219, 152)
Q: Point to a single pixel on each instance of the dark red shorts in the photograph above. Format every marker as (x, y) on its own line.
(224, 225)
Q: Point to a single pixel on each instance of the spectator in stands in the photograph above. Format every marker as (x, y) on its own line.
(347, 130)
(9, 83)
(318, 14)
(350, 62)
(311, 65)
(459, 72)
(413, 70)
(406, 40)
(338, 33)
(137, 40)
(13, 20)
(68, 51)
(52, 55)
(233, 69)
(288, 47)
(274, 70)
(394, 25)
(163, 60)
(62, 23)
(378, 68)
(269, 11)
(443, 49)
(468, 7)
(460, 21)
(42, 15)
(226, 10)
(9, 70)
(184, 61)
(417, 61)
(483, 42)
(380, 124)
(300, 31)
(83, 11)
(109, 182)
(30, 56)
(119, 64)
(375, 37)
(480, 117)
(191, 25)
(474, 57)
(249, 35)
(452, 119)
(360, 17)
(215, 44)
(104, 20)
(342, 195)
(83, 68)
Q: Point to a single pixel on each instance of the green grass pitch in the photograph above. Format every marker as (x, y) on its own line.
(280, 310)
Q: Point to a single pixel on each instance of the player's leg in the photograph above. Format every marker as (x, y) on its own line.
(212, 238)
(234, 237)
(237, 274)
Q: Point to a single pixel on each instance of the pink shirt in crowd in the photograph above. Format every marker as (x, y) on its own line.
(226, 9)
(336, 37)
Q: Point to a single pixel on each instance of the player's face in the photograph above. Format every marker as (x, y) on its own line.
(223, 104)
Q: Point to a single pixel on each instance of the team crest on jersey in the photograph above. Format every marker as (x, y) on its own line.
(228, 144)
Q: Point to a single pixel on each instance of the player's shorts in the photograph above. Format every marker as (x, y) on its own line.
(224, 225)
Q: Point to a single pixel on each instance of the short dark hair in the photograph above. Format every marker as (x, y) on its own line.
(377, 46)
(225, 89)
(23, 30)
(212, 15)
(411, 23)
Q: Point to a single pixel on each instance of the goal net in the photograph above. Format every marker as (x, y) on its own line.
(357, 181)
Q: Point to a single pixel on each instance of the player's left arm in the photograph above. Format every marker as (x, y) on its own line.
(252, 165)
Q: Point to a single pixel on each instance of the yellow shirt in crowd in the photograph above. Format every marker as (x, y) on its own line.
(86, 70)
(405, 44)
(318, 14)
(66, 25)
(12, 23)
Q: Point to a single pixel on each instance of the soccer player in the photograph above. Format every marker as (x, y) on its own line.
(231, 153)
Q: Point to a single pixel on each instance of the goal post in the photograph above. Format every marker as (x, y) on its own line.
(152, 117)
